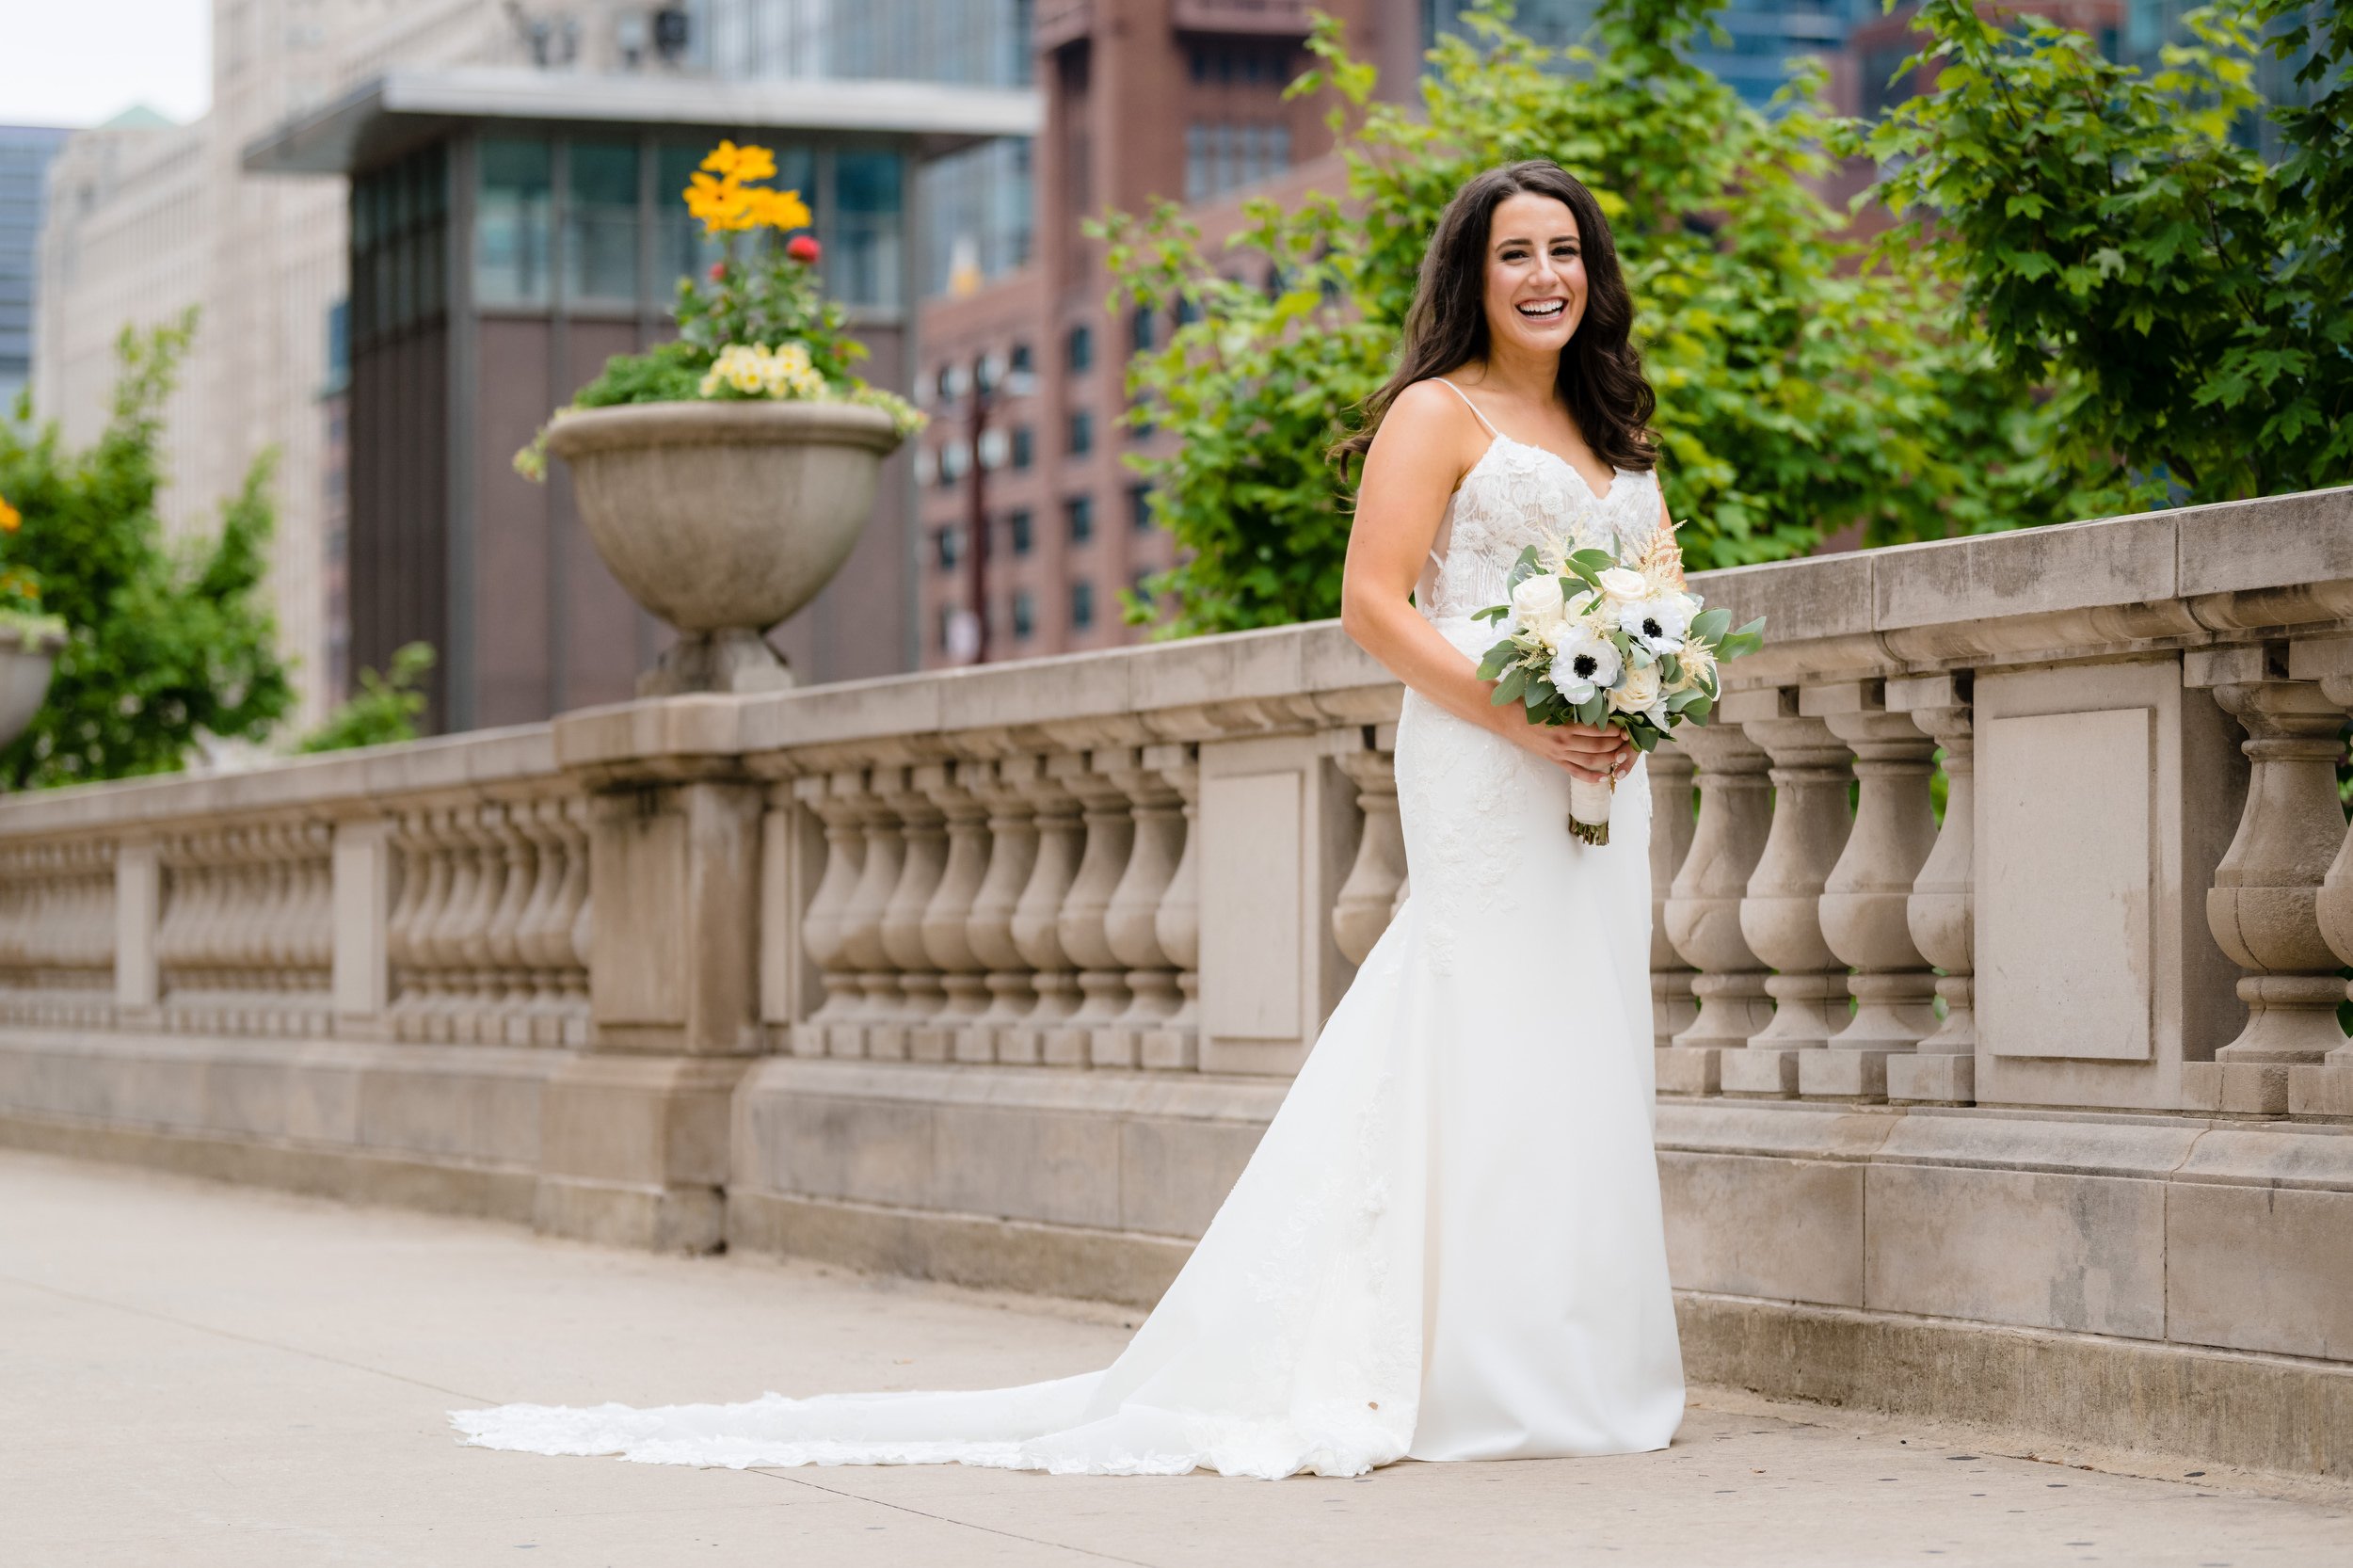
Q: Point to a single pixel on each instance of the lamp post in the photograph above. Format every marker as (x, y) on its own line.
(978, 385)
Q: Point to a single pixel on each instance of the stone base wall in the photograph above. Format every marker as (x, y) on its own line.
(454, 1129)
(2141, 1284)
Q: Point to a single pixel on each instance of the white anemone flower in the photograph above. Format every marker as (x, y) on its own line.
(1536, 604)
(1583, 662)
(1658, 623)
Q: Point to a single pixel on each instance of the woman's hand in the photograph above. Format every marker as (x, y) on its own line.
(1591, 752)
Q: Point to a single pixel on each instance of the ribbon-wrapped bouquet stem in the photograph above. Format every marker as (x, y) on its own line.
(1600, 638)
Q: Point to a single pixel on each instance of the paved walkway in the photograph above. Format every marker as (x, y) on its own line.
(195, 1375)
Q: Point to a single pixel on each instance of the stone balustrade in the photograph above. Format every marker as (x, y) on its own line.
(1998, 925)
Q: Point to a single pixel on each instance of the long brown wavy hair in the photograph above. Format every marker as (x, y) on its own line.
(1601, 373)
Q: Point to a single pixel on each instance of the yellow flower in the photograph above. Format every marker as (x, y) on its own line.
(10, 519)
(778, 209)
(740, 164)
(726, 201)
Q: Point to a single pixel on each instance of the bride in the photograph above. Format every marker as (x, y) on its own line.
(1447, 1245)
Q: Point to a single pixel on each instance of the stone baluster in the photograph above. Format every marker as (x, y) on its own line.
(947, 917)
(1012, 835)
(176, 927)
(2326, 1089)
(990, 923)
(835, 800)
(1062, 840)
(1102, 980)
(862, 949)
(467, 931)
(2264, 907)
(1671, 827)
(443, 945)
(1368, 898)
(1702, 912)
(917, 993)
(1864, 908)
(1781, 914)
(579, 1022)
(1942, 1069)
(403, 948)
(261, 972)
(537, 953)
(1131, 919)
(507, 1018)
(575, 923)
(1174, 1045)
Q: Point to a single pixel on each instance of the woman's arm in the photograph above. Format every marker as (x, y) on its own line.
(1417, 459)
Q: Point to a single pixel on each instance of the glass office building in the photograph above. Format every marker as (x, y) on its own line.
(975, 204)
(25, 151)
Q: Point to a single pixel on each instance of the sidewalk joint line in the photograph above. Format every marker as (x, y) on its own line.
(941, 1518)
(242, 1338)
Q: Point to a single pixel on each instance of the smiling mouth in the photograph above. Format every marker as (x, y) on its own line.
(1543, 310)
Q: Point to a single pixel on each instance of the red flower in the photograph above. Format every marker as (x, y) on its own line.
(718, 271)
(803, 247)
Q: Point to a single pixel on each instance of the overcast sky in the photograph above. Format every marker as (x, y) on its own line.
(76, 62)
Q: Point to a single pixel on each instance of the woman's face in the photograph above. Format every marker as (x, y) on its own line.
(1535, 274)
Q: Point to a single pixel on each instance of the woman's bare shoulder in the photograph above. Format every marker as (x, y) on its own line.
(1431, 415)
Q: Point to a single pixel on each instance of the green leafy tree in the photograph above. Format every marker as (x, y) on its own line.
(165, 646)
(385, 710)
(1799, 394)
(2185, 300)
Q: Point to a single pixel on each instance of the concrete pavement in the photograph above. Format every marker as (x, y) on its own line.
(194, 1374)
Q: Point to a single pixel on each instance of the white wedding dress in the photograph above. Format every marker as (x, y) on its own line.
(1447, 1245)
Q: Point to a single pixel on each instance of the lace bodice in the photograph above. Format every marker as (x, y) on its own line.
(1514, 496)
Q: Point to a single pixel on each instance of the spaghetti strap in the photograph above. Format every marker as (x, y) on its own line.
(1467, 404)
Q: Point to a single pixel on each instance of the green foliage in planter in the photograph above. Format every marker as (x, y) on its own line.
(166, 644)
(1798, 394)
(385, 710)
(2111, 239)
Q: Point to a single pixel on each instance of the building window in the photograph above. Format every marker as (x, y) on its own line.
(1082, 605)
(949, 542)
(862, 262)
(1024, 615)
(1080, 509)
(600, 222)
(1017, 530)
(1081, 349)
(1222, 156)
(511, 222)
(1081, 433)
(1141, 329)
(1024, 446)
(1018, 360)
(946, 631)
(1140, 507)
(1187, 312)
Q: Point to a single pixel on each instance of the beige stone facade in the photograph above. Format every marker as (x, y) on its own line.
(144, 224)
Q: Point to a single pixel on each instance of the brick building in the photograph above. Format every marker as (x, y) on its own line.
(1145, 100)
(1150, 100)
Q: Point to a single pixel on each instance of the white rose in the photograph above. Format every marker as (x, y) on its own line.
(1536, 603)
(1624, 583)
(1638, 692)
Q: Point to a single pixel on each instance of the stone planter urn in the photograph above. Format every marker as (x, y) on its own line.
(26, 659)
(723, 518)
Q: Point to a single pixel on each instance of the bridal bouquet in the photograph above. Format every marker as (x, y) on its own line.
(1594, 638)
